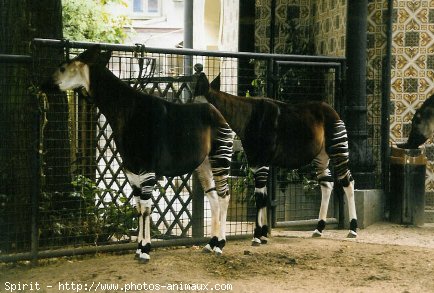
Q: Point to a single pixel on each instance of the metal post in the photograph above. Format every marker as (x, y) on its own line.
(272, 25)
(36, 190)
(197, 209)
(385, 105)
(356, 109)
(188, 35)
(188, 40)
(271, 188)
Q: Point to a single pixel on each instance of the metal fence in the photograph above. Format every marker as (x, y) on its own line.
(77, 198)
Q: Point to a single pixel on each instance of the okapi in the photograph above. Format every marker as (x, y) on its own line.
(422, 125)
(157, 138)
(278, 134)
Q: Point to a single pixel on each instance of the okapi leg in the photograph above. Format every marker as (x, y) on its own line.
(140, 220)
(206, 179)
(260, 234)
(349, 193)
(325, 180)
(142, 190)
(220, 161)
(148, 181)
(224, 204)
(338, 152)
(134, 181)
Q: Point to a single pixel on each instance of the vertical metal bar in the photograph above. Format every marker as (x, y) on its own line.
(338, 89)
(272, 173)
(385, 104)
(37, 167)
(272, 24)
(338, 190)
(197, 209)
(35, 199)
(360, 151)
(188, 24)
(188, 40)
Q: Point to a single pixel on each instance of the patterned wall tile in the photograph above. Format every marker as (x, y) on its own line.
(376, 46)
(323, 23)
(412, 70)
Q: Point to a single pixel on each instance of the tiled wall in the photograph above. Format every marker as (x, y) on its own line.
(322, 23)
(412, 69)
(376, 46)
(319, 22)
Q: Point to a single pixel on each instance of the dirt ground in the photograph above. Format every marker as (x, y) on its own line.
(384, 258)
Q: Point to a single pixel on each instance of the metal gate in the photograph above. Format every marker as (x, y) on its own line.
(81, 201)
(297, 194)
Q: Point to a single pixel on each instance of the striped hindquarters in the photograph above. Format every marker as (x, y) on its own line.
(261, 176)
(337, 149)
(220, 158)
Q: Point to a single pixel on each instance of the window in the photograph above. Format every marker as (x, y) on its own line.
(147, 7)
(138, 5)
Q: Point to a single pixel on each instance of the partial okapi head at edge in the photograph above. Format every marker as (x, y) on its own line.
(422, 125)
(74, 74)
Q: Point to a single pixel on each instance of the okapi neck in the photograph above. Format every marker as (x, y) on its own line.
(236, 110)
(111, 95)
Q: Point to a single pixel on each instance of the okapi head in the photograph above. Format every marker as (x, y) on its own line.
(75, 73)
(422, 125)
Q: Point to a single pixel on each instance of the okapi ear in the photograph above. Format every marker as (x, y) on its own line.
(104, 58)
(215, 84)
(91, 55)
(201, 84)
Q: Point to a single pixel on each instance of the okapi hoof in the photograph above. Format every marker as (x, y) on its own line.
(207, 249)
(353, 229)
(260, 236)
(212, 244)
(256, 242)
(144, 258)
(143, 253)
(316, 233)
(352, 234)
(218, 251)
(138, 252)
(219, 247)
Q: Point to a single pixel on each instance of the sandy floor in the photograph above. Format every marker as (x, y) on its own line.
(384, 258)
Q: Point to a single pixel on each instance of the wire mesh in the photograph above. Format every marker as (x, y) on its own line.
(18, 156)
(298, 196)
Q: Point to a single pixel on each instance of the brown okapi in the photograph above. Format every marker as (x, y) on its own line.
(277, 134)
(422, 125)
(156, 138)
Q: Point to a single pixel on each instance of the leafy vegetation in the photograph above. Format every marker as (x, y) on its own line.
(88, 20)
(83, 216)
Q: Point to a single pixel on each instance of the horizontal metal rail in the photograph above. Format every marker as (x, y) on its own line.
(140, 47)
(5, 58)
(302, 223)
(308, 63)
(108, 248)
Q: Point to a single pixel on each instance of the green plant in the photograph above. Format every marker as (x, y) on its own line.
(88, 20)
(83, 216)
